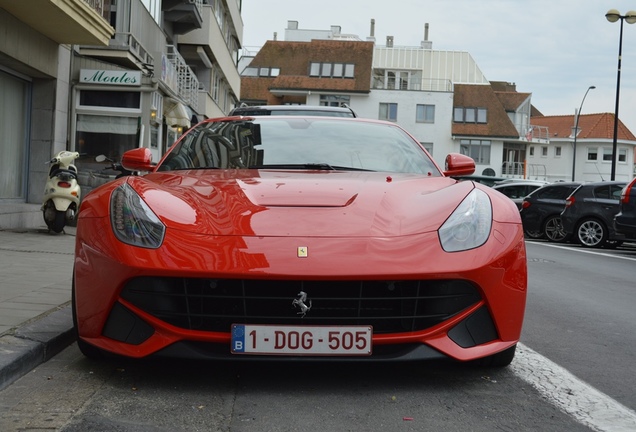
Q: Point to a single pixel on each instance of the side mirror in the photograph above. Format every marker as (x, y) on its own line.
(459, 164)
(139, 159)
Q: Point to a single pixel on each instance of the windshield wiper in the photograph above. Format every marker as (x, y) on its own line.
(311, 166)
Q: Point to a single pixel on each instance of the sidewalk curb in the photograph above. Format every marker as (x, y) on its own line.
(34, 343)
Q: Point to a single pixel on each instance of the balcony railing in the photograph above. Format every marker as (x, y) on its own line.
(129, 41)
(536, 134)
(186, 82)
(97, 5)
(426, 84)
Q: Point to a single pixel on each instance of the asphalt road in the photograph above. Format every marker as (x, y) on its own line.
(579, 322)
(581, 313)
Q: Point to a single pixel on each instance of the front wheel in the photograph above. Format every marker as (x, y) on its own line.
(591, 233)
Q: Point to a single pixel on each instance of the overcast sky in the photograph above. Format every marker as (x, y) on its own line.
(554, 49)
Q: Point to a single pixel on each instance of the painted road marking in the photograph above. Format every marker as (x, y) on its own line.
(571, 395)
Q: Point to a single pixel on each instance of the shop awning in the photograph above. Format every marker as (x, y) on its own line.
(176, 114)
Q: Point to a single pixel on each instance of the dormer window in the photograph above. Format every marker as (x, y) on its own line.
(470, 115)
(331, 70)
(263, 72)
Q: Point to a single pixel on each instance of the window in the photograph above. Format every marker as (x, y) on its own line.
(458, 114)
(261, 72)
(544, 151)
(334, 100)
(532, 151)
(388, 111)
(428, 146)
(338, 70)
(612, 192)
(425, 113)
(607, 154)
(592, 154)
(331, 70)
(470, 115)
(479, 150)
(622, 155)
(99, 98)
(557, 151)
(482, 116)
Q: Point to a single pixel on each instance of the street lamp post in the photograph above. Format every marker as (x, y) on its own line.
(576, 130)
(612, 16)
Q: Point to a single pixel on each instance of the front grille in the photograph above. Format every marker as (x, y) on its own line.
(215, 304)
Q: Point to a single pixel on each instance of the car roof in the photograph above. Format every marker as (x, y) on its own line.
(519, 183)
(294, 110)
(605, 182)
(525, 181)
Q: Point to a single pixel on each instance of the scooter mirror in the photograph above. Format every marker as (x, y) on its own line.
(100, 158)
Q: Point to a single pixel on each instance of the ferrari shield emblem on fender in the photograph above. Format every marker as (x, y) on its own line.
(302, 252)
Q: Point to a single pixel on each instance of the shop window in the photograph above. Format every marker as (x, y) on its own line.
(111, 99)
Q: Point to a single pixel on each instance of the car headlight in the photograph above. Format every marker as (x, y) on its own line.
(132, 220)
(469, 225)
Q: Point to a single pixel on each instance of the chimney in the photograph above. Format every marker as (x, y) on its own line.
(275, 36)
(389, 41)
(371, 38)
(426, 44)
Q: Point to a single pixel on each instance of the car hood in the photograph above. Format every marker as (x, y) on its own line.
(300, 203)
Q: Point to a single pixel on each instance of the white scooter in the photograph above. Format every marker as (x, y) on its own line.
(62, 192)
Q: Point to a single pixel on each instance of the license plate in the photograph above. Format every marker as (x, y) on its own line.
(301, 341)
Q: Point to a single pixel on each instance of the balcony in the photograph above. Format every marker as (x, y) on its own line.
(185, 15)
(208, 46)
(64, 21)
(124, 50)
(180, 78)
(537, 134)
(424, 84)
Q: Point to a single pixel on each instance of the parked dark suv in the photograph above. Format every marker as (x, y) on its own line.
(541, 211)
(588, 216)
(625, 219)
(300, 110)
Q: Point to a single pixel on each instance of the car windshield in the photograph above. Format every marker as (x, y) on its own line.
(299, 143)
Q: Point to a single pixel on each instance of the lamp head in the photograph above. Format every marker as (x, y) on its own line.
(592, 87)
(630, 17)
(613, 15)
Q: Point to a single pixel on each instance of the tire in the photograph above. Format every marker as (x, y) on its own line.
(591, 233)
(553, 229)
(54, 219)
(85, 348)
(501, 359)
(535, 235)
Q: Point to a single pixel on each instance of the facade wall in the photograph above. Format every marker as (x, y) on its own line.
(43, 78)
(559, 168)
(42, 65)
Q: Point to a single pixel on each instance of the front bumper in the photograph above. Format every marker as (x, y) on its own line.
(112, 319)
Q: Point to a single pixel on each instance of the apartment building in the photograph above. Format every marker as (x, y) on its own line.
(103, 77)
